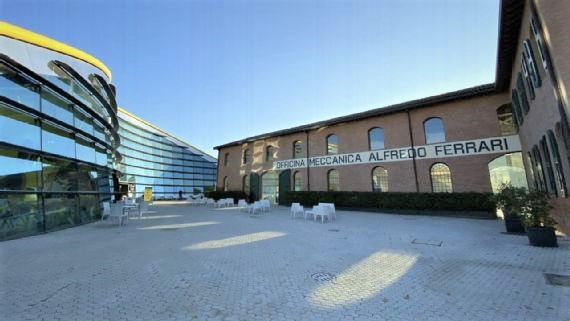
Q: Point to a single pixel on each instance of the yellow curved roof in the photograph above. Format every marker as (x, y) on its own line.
(28, 36)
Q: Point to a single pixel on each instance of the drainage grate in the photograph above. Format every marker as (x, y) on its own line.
(557, 279)
(334, 230)
(169, 229)
(323, 276)
(427, 242)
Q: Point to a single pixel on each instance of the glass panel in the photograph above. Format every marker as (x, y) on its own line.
(376, 138)
(434, 131)
(87, 178)
(246, 184)
(60, 211)
(84, 149)
(57, 141)
(12, 122)
(539, 169)
(20, 215)
(379, 180)
(557, 163)
(56, 107)
(507, 169)
(270, 186)
(297, 182)
(333, 180)
(18, 89)
(19, 170)
(548, 166)
(332, 144)
(83, 122)
(297, 149)
(101, 156)
(505, 117)
(89, 208)
(59, 175)
(441, 178)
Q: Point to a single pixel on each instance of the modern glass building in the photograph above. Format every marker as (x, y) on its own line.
(58, 134)
(153, 158)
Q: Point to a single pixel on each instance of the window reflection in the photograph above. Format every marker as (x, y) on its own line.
(18, 89)
(60, 211)
(12, 122)
(379, 179)
(332, 144)
(440, 178)
(20, 215)
(333, 180)
(434, 131)
(20, 171)
(376, 138)
(59, 175)
(57, 140)
(507, 169)
(56, 107)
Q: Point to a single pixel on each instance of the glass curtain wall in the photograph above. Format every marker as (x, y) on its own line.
(57, 141)
(153, 158)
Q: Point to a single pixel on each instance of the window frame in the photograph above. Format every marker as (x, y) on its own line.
(329, 146)
(426, 121)
(381, 133)
(431, 175)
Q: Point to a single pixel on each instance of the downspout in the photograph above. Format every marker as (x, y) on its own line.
(308, 167)
(413, 158)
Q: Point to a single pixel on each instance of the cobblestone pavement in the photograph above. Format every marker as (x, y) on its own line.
(195, 263)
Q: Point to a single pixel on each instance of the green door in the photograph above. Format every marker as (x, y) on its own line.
(284, 185)
(253, 187)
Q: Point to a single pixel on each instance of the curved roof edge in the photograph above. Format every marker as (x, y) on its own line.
(122, 110)
(37, 39)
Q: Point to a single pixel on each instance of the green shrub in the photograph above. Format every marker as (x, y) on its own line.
(475, 202)
(236, 195)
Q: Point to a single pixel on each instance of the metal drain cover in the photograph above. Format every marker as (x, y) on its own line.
(334, 230)
(427, 242)
(323, 276)
(557, 279)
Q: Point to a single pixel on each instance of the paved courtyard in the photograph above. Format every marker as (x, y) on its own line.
(196, 263)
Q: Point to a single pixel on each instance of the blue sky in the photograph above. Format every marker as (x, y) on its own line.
(212, 71)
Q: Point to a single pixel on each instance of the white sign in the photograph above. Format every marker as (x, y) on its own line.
(493, 145)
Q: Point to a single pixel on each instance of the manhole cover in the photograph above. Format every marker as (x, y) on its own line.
(427, 242)
(169, 229)
(334, 230)
(323, 276)
(557, 279)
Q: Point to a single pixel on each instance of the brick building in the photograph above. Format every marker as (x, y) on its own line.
(513, 130)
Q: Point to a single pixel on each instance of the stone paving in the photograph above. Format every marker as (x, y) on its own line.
(196, 263)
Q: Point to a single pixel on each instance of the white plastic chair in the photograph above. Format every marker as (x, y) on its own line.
(255, 207)
(230, 202)
(323, 211)
(265, 205)
(312, 212)
(242, 204)
(296, 208)
(143, 208)
(114, 212)
(332, 210)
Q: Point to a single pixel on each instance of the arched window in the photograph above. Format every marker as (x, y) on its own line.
(333, 180)
(269, 153)
(505, 117)
(226, 159)
(379, 179)
(440, 178)
(332, 144)
(297, 182)
(245, 184)
(246, 156)
(226, 184)
(557, 164)
(297, 149)
(376, 138)
(507, 169)
(270, 186)
(434, 131)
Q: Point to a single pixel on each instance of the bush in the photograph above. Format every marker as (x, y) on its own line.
(474, 202)
(510, 200)
(536, 212)
(236, 195)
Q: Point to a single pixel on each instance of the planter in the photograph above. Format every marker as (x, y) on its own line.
(542, 236)
(513, 224)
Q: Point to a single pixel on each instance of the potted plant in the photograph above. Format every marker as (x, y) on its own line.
(511, 200)
(539, 224)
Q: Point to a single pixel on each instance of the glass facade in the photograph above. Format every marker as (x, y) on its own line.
(154, 158)
(58, 140)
